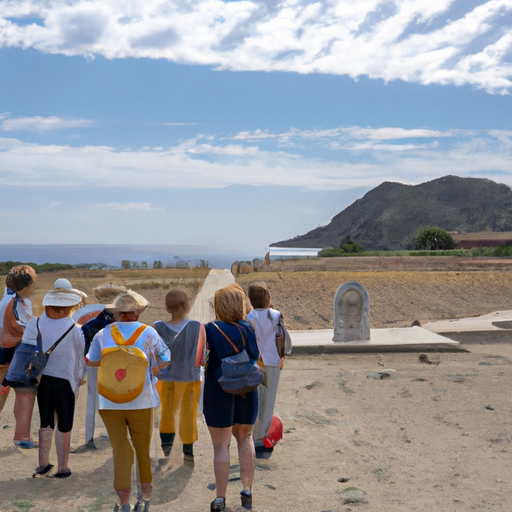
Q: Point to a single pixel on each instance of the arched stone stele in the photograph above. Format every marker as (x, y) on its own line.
(351, 313)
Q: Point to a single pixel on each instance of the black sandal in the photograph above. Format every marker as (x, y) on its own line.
(42, 471)
(246, 500)
(63, 474)
(218, 504)
(141, 506)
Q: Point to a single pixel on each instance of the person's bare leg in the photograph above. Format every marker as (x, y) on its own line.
(243, 436)
(45, 443)
(63, 445)
(4, 390)
(221, 438)
(4, 393)
(146, 491)
(124, 497)
(23, 408)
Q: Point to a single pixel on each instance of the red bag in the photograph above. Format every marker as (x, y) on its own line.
(274, 432)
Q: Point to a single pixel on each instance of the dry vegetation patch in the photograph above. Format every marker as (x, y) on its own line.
(152, 284)
(401, 290)
(398, 296)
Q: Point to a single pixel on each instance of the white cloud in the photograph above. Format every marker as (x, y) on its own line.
(347, 133)
(504, 136)
(411, 40)
(390, 133)
(41, 124)
(128, 207)
(341, 161)
(175, 124)
(52, 206)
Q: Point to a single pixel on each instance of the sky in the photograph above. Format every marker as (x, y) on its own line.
(237, 124)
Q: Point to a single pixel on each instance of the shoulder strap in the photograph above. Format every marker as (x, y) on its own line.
(52, 348)
(39, 338)
(225, 336)
(241, 330)
(119, 338)
(15, 306)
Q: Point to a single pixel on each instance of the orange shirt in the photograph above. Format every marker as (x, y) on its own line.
(12, 331)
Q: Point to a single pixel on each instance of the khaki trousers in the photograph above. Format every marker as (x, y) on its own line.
(138, 423)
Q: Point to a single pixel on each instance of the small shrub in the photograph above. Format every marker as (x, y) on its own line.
(434, 238)
(346, 250)
(503, 251)
(331, 253)
(23, 505)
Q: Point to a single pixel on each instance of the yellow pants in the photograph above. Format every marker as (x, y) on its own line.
(184, 396)
(139, 424)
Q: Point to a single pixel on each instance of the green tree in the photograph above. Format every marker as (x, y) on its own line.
(352, 247)
(433, 238)
(348, 245)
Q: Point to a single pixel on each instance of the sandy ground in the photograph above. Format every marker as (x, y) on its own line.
(431, 437)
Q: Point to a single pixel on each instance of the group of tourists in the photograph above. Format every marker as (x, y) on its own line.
(132, 368)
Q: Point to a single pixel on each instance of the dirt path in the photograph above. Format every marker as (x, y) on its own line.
(431, 437)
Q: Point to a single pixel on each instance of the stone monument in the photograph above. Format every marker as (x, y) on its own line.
(351, 313)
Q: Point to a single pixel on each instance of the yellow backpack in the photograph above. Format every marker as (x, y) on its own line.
(123, 369)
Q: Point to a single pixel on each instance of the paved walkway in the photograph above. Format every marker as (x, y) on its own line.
(497, 321)
(202, 309)
(408, 339)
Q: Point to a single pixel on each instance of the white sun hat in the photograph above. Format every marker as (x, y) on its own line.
(63, 294)
(62, 282)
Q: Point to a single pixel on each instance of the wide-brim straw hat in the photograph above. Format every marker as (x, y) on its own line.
(128, 302)
(63, 297)
(106, 293)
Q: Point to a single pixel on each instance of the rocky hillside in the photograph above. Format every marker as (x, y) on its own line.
(390, 216)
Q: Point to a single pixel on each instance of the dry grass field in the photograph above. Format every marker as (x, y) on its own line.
(152, 284)
(401, 290)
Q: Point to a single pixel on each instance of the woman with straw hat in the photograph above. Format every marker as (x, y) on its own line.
(129, 354)
(93, 318)
(62, 375)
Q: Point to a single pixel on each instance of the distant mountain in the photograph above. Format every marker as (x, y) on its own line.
(390, 216)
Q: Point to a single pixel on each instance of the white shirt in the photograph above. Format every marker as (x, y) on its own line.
(265, 323)
(151, 344)
(67, 359)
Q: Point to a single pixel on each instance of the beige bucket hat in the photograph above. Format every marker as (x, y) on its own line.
(128, 302)
(106, 293)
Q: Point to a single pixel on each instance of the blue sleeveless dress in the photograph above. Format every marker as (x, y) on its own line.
(223, 409)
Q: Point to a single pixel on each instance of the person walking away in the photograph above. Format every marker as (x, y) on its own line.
(129, 354)
(105, 294)
(227, 414)
(181, 380)
(64, 372)
(15, 312)
(267, 321)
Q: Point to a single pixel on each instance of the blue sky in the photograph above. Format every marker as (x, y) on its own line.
(238, 124)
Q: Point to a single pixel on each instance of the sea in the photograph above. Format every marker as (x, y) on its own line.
(113, 255)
